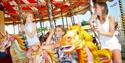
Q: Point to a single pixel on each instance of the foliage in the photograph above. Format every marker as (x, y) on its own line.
(84, 23)
(39, 29)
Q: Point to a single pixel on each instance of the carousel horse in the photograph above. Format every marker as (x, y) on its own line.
(3, 43)
(78, 39)
(18, 49)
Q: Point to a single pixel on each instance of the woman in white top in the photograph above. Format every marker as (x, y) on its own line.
(106, 29)
(31, 37)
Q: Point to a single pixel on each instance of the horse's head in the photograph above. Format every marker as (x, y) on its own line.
(6, 37)
(4, 40)
(74, 39)
(3, 37)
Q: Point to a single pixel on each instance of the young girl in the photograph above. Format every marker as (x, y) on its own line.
(105, 29)
(53, 39)
(55, 35)
(32, 40)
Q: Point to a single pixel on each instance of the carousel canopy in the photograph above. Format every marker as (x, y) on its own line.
(15, 9)
(12, 8)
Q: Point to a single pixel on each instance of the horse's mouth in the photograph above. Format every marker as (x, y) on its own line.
(103, 57)
(68, 48)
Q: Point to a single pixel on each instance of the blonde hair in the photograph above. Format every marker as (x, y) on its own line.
(26, 15)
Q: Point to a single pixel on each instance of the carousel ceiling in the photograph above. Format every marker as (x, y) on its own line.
(12, 8)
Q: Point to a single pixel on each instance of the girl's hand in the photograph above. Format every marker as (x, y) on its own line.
(96, 30)
(57, 45)
(99, 31)
(93, 17)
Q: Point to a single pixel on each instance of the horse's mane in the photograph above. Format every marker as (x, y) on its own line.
(20, 42)
(2, 37)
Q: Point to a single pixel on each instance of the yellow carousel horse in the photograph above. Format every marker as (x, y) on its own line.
(17, 51)
(78, 39)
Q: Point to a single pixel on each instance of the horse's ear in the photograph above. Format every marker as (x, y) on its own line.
(1, 34)
(77, 32)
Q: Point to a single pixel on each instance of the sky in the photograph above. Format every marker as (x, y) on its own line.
(123, 4)
(113, 7)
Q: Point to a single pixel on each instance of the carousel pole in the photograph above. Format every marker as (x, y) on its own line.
(122, 16)
(18, 27)
(122, 28)
(79, 23)
(22, 22)
(20, 12)
(71, 13)
(14, 27)
(62, 17)
(40, 19)
(53, 16)
(39, 16)
(50, 16)
(98, 43)
(67, 21)
(73, 18)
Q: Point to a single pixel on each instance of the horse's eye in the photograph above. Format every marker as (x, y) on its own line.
(68, 38)
(77, 32)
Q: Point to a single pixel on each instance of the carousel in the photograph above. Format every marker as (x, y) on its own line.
(79, 43)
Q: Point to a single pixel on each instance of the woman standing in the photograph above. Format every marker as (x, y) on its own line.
(106, 28)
